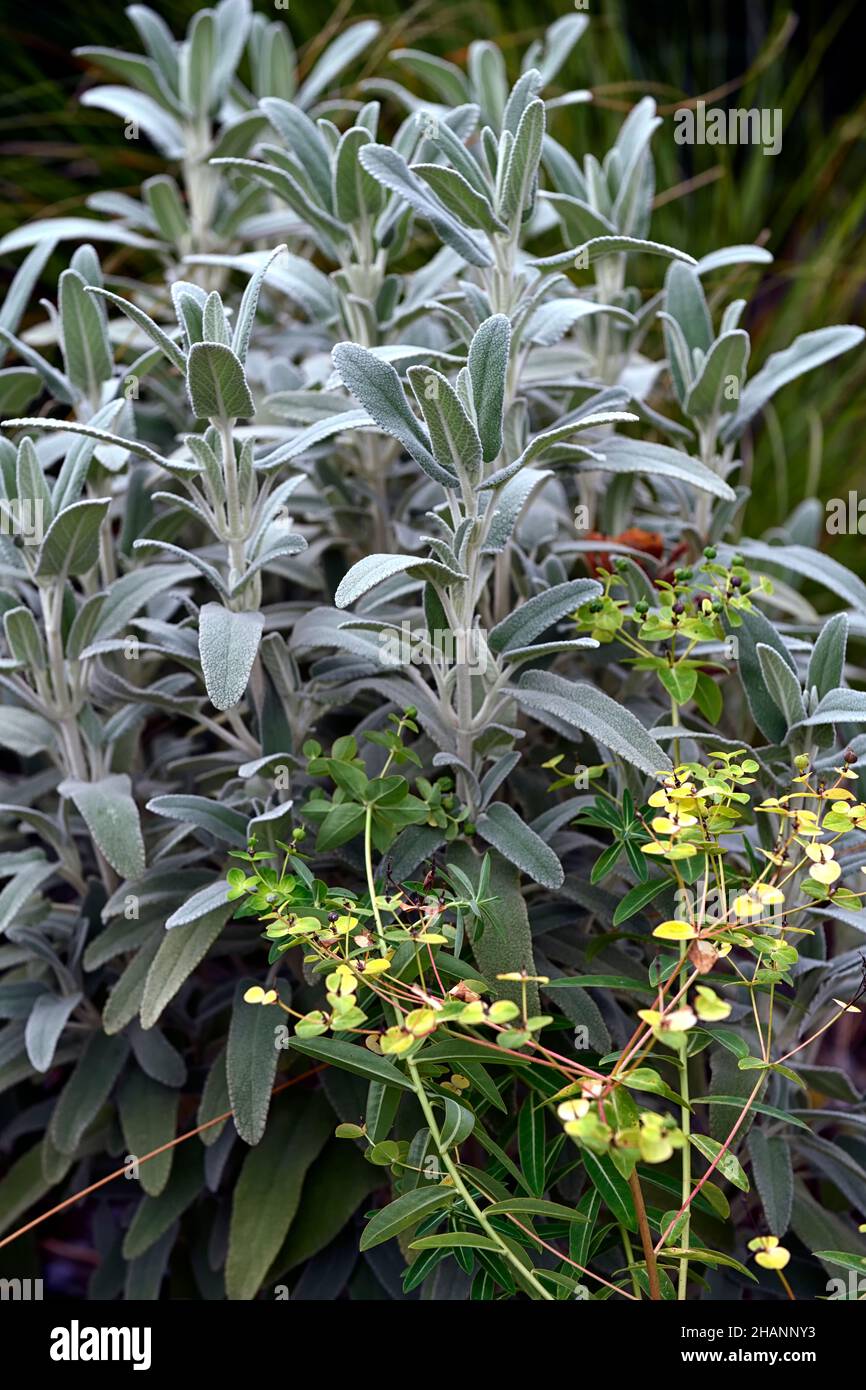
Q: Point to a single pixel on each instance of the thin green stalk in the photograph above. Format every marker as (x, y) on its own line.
(371, 882)
(629, 1259)
(685, 1126)
(526, 1277)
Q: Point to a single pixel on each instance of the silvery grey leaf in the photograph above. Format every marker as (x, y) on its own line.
(502, 828)
(374, 569)
(570, 705)
(111, 816)
(808, 351)
(228, 643)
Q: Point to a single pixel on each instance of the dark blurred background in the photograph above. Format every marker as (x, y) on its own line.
(807, 203)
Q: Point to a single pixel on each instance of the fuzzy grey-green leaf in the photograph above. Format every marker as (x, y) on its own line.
(112, 818)
(228, 643)
(216, 383)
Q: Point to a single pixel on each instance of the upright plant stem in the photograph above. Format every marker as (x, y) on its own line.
(685, 1126)
(526, 1277)
(629, 1256)
(236, 544)
(646, 1239)
(423, 1100)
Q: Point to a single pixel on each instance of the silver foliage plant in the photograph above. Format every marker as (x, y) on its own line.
(349, 399)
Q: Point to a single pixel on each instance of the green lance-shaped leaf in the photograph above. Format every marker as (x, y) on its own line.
(25, 731)
(197, 61)
(251, 1061)
(111, 816)
(509, 507)
(734, 255)
(19, 387)
(177, 957)
(146, 324)
(24, 282)
(729, 1166)
(307, 144)
(31, 485)
(599, 246)
(156, 1056)
(457, 1124)
(501, 827)
(406, 1211)
(449, 146)
(46, 1021)
(548, 438)
(59, 385)
(216, 383)
(351, 1057)
(808, 351)
(377, 386)
(611, 1187)
(214, 1101)
(532, 1145)
(459, 196)
(456, 446)
(716, 390)
(857, 1263)
(686, 303)
(227, 644)
(569, 705)
(19, 888)
(135, 446)
(263, 1208)
(325, 228)
(389, 168)
(206, 900)
(811, 564)
(214, 324)
(86, 1090)
(125, 598)
(155, 1215)
(86, 350)
(488, 366)
(337, 56)
(774, 1178)
(505, 945)
(162, 196)
(382, 1105)
(126, 994)
(444, 78)
(522, 168)
(148, 1118)
(522, 93)
(25, 1182)
(71, 544)
(375, 569)
(580, 221)
(145, 1273)
(754, 629)
(24, 638)
(621, 455)
(837, 707)
(249, 304)
(827, 662)
(218, 819)
(356, 193)
(540, 612)
(56, 229)
(782, 684)
(336, 1184)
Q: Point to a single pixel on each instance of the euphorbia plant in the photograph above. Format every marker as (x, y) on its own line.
(396, 465)
(388, 959)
